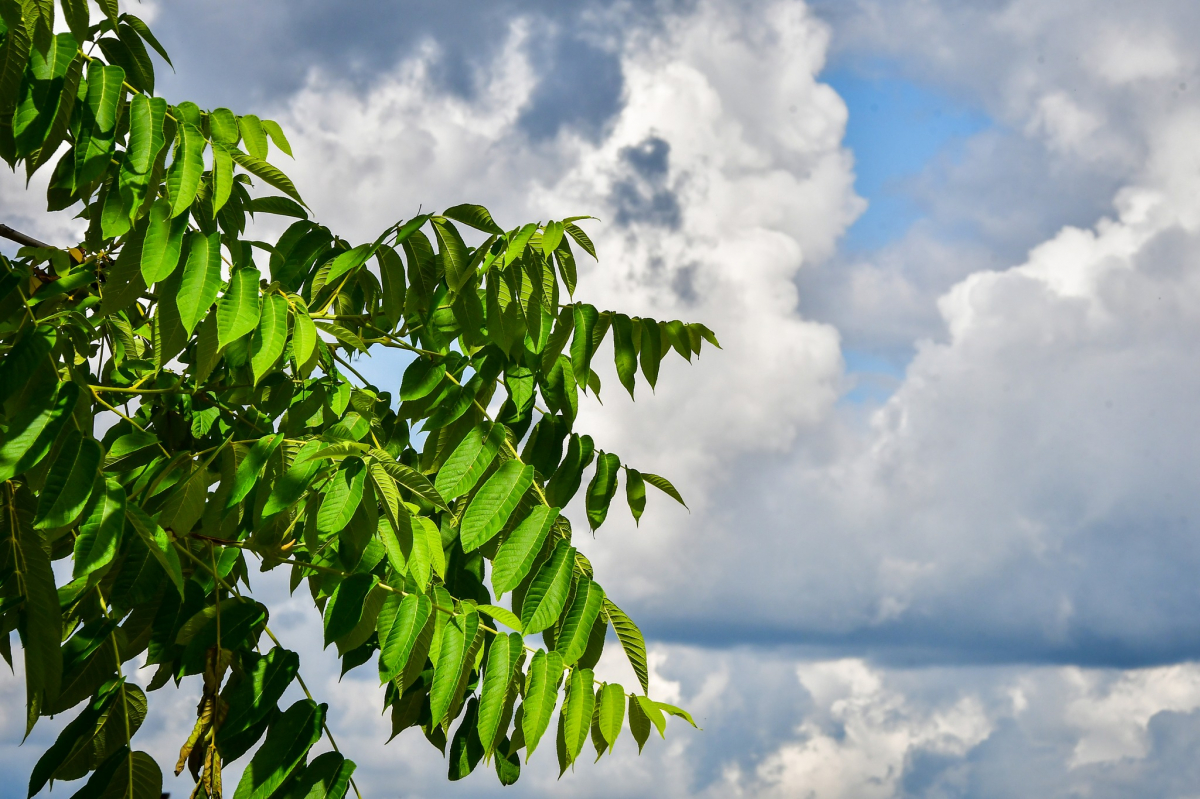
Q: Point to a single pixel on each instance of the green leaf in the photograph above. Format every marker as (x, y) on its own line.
(454, 663)
(269, 174)
(342, 497)
(578, 708)
(252, 699)
(469, 460)
(69, 484)
(288, 741)
(201, 279)
(104, 92)
(238, 309)
(391, 271)
(291, 486)
(420, 378)
(75, 13)
(266, 346)
(304, 335)
(476, 216)
(498, 684)
(552, 234)
(582, 346)
(581, 238)
(78, 732)
(411, 479)
(126, 705)
(327, 777)
(494, 503)
(548, 592)
(162, 243)
(611, 713)
(400, 624)
(466, 750)
(517, 554)
(654, 712)
(624, 353)
(109, 7)
(651, 350)
(635, 493)
(222, 124)
(144, 32)
(517, 244)
(41, 617)
(222, 178)
(251, 467)
(100, 531)
(631, 641)
(345, 607)
(639, 722)
(453, 253)
(272, 129)
(569, 474)
(576, 630)
(156, 540)
(24, 357)
(136, 777)
(664, 485)
(541, 695)
(183, 177)
(33, 430)
(348, 261)
(254, 135)
(603, 487)
(502, 615)
(280, 206)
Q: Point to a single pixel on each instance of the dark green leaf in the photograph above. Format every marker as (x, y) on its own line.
(476, 216)
(69, 484)
(631, 641)
(288, 740)
(345, 607)
(635, 492)
(624, 353)
(33, 430)
(100, 531)
(603, 487)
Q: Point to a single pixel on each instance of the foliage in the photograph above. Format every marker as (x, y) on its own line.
(173, 416)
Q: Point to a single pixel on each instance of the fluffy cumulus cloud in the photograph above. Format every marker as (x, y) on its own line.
(982, 586)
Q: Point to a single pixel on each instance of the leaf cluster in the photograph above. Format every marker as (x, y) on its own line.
(179, 403)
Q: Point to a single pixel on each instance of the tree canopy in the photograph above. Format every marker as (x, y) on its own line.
(180, 410)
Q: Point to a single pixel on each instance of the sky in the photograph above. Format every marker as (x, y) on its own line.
(943, 476)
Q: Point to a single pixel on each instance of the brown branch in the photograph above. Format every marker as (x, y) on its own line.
(20, 238)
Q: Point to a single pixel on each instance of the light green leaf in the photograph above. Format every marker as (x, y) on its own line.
(201, 279)
(69, 483)
(453, 253)
(516, 555)
(222, 177)
(238, 309)
(347, 261)
(454, 664)
(552, 234)
(183, 177)
(502, 658)
(494, 503)
(251, 467)
(469, 460)
(267, 343)
(582, 345)
(577, 711)
(581, 238)
(163, 242)
(678, 712)
(342, 497)
(548, 592)
(253, 135)
(104, 94)
(631, 641)
(541, 695)
(576, 630)
(272, 129)
(304, 335)
(268, 173)
(502, 615)
(517, 244)
(410, 478)
(664, 485)
(400, 624)
(611, 713)
(223, 125)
